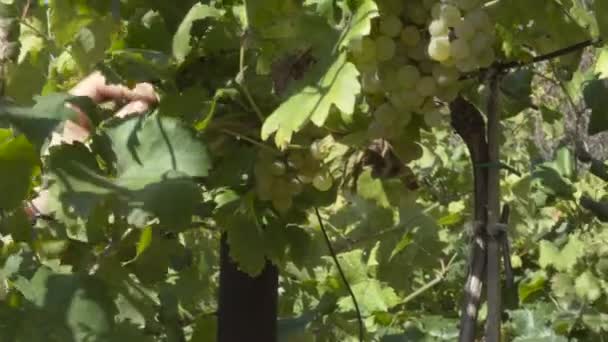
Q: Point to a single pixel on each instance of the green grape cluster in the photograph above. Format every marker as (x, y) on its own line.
(281, 178)
(462, 35)
(412, 60)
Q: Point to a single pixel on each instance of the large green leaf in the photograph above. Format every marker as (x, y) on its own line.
(330, 83)
(18, 159)
(183, 37)
(68, 307)
(155, 159)
(595, 97)
(39, 121)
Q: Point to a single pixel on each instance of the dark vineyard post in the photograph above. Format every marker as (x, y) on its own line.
(247, 309)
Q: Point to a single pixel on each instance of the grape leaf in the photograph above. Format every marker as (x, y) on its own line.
(39, 121)
(19, 160)
(155, 161)
(587, 286)
(182, 38)
(595, 98)
(600, 8)
(331, 82)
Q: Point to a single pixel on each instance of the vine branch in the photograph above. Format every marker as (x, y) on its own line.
(541, 58)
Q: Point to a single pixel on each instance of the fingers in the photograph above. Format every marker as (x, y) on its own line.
(95, 86)
(134, 107)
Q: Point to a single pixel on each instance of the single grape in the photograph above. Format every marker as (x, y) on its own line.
(449, 93)
(364, 50)
(439, 49)
(444, 75)
(264, 186)
(282, 202)
(433, 118)
(371, 82)
(418, 52)
(295, 186)
(410, 36)
(459, 49)
(466, 64)
(412, 99)
(466, 5)
(436, 11)
(385, 48)
(464, 30)
(426, 66)
(450, 14)
(428, 4)
(388, 77)
(480, 42)
(408, 76)
(278, 168)
(390, 25)
(438, 27)
(322, 181)
(479, 19)
(486, 58)
(426, 86)
(416, 13)
(385, 113)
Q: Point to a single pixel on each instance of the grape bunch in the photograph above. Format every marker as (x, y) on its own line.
(413, 59)
(281, 178)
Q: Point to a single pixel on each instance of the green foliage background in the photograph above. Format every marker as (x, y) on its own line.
(133, 251)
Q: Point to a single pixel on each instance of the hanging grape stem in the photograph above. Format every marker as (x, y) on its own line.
(342, 274)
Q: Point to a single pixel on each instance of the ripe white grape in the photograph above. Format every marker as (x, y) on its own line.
(450, 14)
(480, 42)
(385, 113)
(418, 52)
(486, 58)
(426, 66)
(371, 82)
(408, 76)
(449, 93)
(426, 86)
(364, 50)
(466, 5)
(416, 13)
(282, 202)
(278, 168)
(436, 11)
(385, 48)
(428, 4)
(433, 118)
(466, 64)
(412, 99)
(438, 27)
(439, 49)
(322, 181)
(464, 30)
(479, 20)
(410, 36)
(390, 25)
(459, 49)
(445, 76)
(295, 186)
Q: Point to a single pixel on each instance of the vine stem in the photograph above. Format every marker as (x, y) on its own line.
(438, 279)
(242, 83)
(248, 139)
(341, 271)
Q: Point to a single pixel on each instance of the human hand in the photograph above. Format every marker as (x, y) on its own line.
(139, 99)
